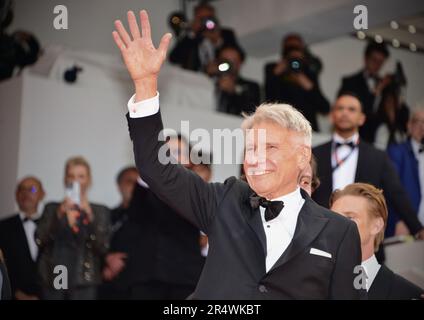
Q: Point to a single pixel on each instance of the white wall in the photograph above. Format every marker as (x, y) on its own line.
(90, 21)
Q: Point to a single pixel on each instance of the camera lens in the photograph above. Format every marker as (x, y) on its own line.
(224, 67)
(210, 25)
(295, 65)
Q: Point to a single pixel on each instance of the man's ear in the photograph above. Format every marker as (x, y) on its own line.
(362, 119)
(377, 226)
(304, 156)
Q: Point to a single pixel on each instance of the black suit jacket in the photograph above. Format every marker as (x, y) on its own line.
(358, 84)
(235, 266)
(309, 102)
(374, 167)
(387, 285)
(161, 245)
(244, 101)
(22, 269)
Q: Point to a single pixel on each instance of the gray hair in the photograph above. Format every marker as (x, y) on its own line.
(282, 114)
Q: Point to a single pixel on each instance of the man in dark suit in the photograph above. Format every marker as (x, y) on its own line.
(408, 159)
(365, 204)
(294, 80)
(163, 252)
(368, 86)
(198, 46)
(17, 240)
(347, 159)
(234, 94)
(268, 239)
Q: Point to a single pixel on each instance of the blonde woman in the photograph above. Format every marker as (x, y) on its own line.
(74, 236)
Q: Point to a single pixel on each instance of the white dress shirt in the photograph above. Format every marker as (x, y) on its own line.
(371, 267)
(420, 157)
(30, 226)
(279, 231)
(345, 173)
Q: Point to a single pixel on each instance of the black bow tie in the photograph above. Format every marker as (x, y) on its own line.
(29, 219)
(349, 144)
(272, 208)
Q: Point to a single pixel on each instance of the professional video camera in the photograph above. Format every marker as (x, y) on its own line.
(177, 21)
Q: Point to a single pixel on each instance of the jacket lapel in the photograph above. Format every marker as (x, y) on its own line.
(362, 163)
(327, 169)
(22, 238)
(309, 224)
(254, 221)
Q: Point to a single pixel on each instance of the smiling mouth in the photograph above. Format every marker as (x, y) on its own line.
(255, 172)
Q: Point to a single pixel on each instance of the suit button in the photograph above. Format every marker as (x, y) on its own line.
(262, 289)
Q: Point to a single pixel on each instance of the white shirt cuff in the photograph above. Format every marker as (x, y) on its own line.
(143, 108)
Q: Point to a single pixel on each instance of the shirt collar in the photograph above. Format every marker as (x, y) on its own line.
(35, 216)
(371, 267)
(142, 183)
(415, 147)
(291, 197)
(338, 138)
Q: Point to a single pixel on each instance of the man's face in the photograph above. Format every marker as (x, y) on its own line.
(127, 183)
(416, 126)
(346, 114)
(374, 62)
(274, 158)
(293, 42)
(200, 14)
(231, 55)
(305, 179)
(28, 195)
(356, 208)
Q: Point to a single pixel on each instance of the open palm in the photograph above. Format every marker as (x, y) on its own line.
(141, 58)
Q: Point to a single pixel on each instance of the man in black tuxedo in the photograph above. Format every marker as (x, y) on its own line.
(163, 252)
(347, 159)
(268, 239)
(198, 46)
(17, 240)
(368, 86)
(365, 204)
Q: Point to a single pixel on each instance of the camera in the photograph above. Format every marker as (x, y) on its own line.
(399, 78)
(209, 24)
(296, 65)
(177, 21)
(225, 67)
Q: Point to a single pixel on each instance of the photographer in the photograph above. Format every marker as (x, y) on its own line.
(234, 94)
(198, 47)
(368, 86)
(294, 80)
(392, 118)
